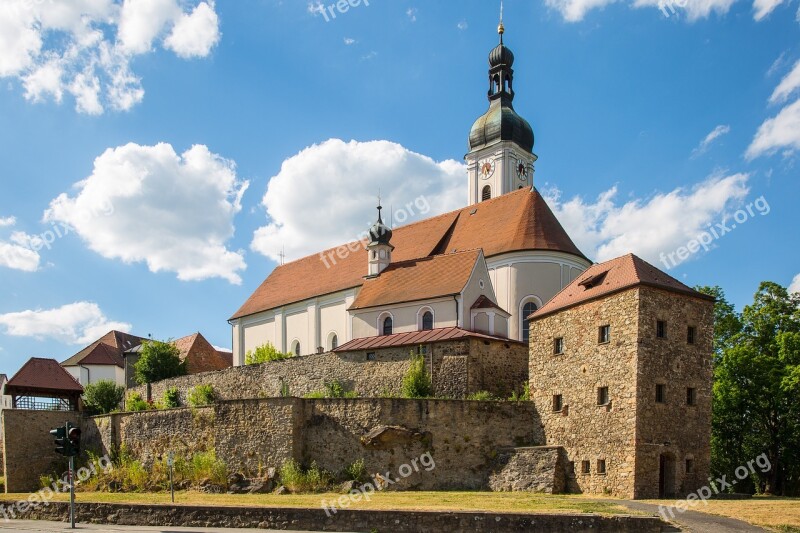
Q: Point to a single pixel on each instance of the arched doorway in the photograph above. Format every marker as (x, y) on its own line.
(666, 476)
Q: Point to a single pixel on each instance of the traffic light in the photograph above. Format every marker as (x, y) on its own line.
(62, 443)
(68, 439)
(74, 436)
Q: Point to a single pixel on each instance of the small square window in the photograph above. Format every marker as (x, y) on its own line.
(558, 403)
(691, 332)
(370, 356)
(691, 396)
(601, 466)
(690, 466)
(602, 396)
(558, 346)
(604, 335)
(661, 329)
(661, 396)
(586, 467)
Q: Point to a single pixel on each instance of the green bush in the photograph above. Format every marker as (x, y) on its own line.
(263, 354)
(417, 381)
(356, 471)
(297, 479)
(135, 402)
(171, 398)
(525, 396)
(102, 397)
(201, 395)
(333, 389)
(484, 396)
(159, 360)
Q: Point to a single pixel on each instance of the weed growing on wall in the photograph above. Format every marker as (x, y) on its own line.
(171, 398)
(333, 389)
(417, 381)
(201, 395)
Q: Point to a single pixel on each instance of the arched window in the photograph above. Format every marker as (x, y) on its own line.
(333, 341)
(427, 321)
(527, 310)
(387, 325)
(486, 194)
(296, 347)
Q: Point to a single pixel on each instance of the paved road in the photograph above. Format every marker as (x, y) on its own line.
(696, 522)
(33, 526)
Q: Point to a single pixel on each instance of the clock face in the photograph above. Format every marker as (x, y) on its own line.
(486, 168)
(522, 170)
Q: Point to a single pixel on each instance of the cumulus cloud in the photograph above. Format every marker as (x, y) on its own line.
(75, 323)
(762, 8)
(709, 139)
(605, 228)
(788, 85)
(779, 132)
(84, 48)
(575, 10)
(795, 285)
(19, 251)
(326, 195)
(148, 204)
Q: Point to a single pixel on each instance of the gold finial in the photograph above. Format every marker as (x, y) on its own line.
(501, 29)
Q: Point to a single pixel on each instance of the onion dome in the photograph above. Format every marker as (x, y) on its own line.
(380, 233)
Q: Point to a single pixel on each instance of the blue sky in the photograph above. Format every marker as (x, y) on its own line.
(252, 126)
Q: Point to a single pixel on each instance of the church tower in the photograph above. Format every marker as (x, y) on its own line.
(379, 247)
(500, 158)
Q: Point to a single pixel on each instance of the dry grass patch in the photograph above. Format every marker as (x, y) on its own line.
(505, 502)
(781, 514)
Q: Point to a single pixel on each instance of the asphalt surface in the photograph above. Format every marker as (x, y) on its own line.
(694, 521)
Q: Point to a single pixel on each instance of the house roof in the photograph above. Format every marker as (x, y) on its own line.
(611, 277)
(418, 279)
(520, 220)
(107, 350)
(414, 338)
(200, 355)
(45, 375)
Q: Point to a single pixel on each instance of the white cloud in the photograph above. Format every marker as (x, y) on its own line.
(84, 48)
(412, 13)
(147, 204)
(795, 285)
(715, 134)
(575, 10)
(763, 8)
(781, 131)
(462, 25)
(788, 85)
(20, 250)
(604, 229)
(76, 323)
(326, 195)
(348, 41)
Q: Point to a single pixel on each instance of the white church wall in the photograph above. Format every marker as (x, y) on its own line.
(333, 320)
(404, 317)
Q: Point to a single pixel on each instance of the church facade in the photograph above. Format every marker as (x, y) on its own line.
(483, 268)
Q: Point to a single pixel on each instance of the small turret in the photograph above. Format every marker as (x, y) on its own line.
(379, 247)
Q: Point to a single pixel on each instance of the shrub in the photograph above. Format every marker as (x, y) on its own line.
(333, 389)
(136, 403)
(285, 390)
(102, 397)
(483, 396)
(356, 471)
(159, 360)
(417, 381)
(201, 395)
(525, 396)
(297, 479)
(171, 398)
(263, 354)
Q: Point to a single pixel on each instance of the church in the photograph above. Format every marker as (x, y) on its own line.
(484, 268)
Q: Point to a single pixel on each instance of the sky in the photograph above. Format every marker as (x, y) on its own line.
(157, 157)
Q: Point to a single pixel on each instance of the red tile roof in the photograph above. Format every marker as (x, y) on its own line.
(414, 338)
(418, 279)
(44, 375)
(200, 355)
(520, 220)
(484, 302)
(611, 277)
(107, 350)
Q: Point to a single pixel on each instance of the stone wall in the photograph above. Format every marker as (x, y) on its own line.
(29, 450)
(344, 520)
(458, 368)
(586, 430)
(462, 437)
(674, 429)
(530, 469)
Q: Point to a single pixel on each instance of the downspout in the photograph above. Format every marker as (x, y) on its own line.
(455, 299)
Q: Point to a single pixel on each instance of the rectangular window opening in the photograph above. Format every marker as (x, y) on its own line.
(602, 396)
(604, 335)
(660, 393)
(370, 356)
(586, 467)
(690, 466)
(558, 346)
(601, 466)
(558, 403)
(690, 335)
(691, 396)
(661, 329)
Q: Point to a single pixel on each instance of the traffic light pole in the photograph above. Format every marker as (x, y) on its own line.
(72, 492)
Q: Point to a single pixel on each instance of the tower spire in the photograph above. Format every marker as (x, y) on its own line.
(501, 29)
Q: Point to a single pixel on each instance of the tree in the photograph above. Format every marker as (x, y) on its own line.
(263, 354)
(727, 322)
(159, 360)
(755, 396)
(103, 396)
